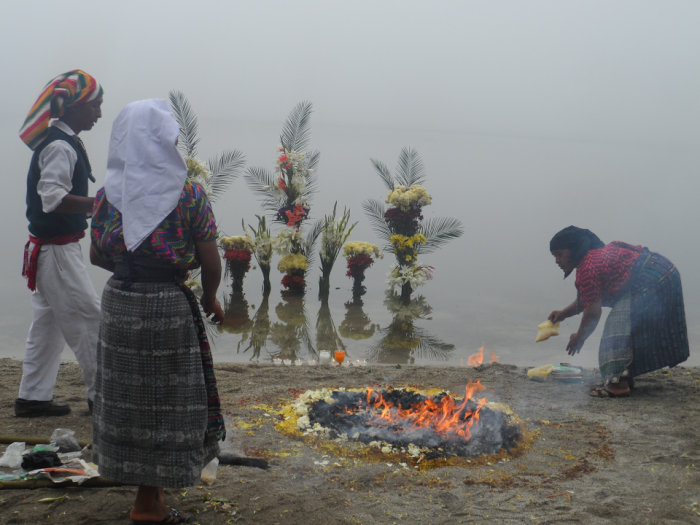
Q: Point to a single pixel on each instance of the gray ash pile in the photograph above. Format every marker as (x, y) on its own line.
(442, 424)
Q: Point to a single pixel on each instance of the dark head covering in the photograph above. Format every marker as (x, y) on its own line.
(578, 240)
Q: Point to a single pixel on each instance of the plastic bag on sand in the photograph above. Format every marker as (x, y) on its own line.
(12, 457)
(547, 330)
(540, 373)
(65, 440)
(209, 472)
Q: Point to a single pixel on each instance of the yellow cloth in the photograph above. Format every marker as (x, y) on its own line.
(547, 330)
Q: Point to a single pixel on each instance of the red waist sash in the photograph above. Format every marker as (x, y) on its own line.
(31, 254)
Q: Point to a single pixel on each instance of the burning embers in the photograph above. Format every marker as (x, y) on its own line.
(411, 422)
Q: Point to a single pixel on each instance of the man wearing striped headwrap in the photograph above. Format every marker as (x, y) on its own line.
(65, 307)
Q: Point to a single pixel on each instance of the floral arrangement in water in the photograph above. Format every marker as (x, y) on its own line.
(333, 235)
(286, 193)
(414, 274)
(402, 225)
(263, 247)
(238, 251)
(360, 256)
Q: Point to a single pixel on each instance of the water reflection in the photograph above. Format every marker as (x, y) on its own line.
(403, 342)
(327, 337)
(260, 330)
(357, 325)
(237, 317)
(293, 331)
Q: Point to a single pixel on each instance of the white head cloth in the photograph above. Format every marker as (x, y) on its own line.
(145, 171)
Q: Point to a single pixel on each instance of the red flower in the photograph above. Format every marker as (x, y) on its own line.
(358, 264)
(239, 261)
(283, 158)
(295, 215)
(238, 255)
(293, 282)
(282, 185)
(410, 217)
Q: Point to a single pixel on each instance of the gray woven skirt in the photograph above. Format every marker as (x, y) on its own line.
(646, 329)
(150, 409)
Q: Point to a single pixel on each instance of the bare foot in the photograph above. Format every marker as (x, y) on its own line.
(158, 514)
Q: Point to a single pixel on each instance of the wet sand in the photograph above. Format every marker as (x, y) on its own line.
(632, 460)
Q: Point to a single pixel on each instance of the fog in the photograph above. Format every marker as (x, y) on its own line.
(529, 117)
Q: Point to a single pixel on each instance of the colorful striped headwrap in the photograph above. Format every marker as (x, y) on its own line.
(66, 90)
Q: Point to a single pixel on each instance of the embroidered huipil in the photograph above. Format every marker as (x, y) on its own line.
(603, 272)
(171, 242)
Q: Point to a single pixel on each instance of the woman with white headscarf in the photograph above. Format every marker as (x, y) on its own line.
(157, 419)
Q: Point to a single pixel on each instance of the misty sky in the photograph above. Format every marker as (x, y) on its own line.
(530, 116)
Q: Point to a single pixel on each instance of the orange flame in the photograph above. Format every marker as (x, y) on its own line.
(445, 417)
(494, 358)
(476, 359)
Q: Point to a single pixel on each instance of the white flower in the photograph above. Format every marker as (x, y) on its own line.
(302, 411)
(415, 274)
(413, 450)
(299, 183)
(386, 450)
(303, 422)
(288, 239)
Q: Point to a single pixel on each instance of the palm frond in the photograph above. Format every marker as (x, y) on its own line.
(225, 169)
(410, 169)
(310, 241)
(374, 210)
(187, 120)
(439, 231)
(295, 133)
(384, 173)
(260, 181)
(312, 178)
(431, 347)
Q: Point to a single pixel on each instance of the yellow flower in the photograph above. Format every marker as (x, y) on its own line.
(407, 198)
(402, 243)
(353, 248)
(293, 261)
(236, 242)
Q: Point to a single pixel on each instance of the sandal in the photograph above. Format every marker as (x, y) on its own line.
(603, 393)
(173, 517)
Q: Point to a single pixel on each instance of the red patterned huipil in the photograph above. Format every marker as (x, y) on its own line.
(603, 272)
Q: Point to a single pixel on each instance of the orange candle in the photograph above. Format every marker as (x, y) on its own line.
(340, 356)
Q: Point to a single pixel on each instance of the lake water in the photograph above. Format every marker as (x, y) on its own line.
(492, 287)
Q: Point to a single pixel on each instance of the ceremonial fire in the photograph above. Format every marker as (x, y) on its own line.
(409, 421)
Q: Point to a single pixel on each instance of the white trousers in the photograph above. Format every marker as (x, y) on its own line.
(65, 309)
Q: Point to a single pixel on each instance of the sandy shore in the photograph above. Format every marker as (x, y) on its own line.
(631, 460)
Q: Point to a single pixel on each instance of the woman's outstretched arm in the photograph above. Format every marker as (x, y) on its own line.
(559, 315)
(211, 277)
(589, 322)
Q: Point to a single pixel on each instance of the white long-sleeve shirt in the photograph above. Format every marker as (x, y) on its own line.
(56, 162)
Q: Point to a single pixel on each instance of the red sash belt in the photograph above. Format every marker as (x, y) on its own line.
(31, 253)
